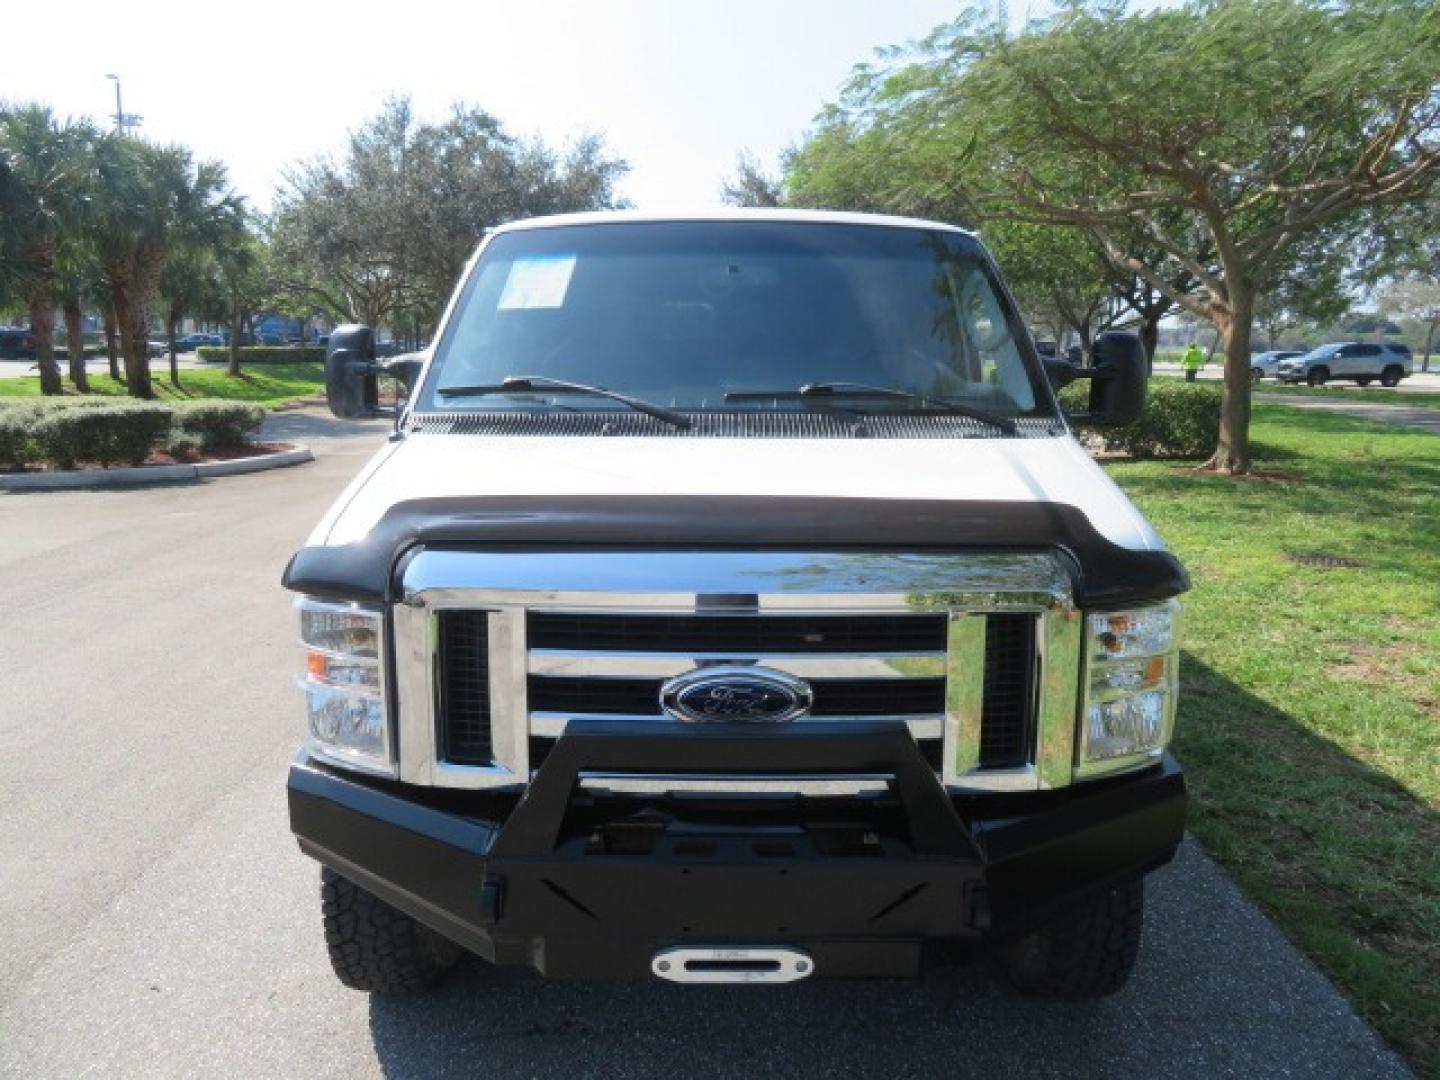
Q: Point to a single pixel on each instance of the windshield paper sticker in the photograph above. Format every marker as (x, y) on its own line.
(539, 281)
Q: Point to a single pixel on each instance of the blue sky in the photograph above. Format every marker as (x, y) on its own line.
(677, 88)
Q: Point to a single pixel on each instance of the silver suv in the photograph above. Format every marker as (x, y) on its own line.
(1362, 362)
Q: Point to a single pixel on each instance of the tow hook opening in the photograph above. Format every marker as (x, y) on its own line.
(732, 965)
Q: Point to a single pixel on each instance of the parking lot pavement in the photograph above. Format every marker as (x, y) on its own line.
(98, 365)
(156, 918)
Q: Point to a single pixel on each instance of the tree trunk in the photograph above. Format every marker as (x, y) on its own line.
(1232, 452)
(132, 322)
(1429, 343)
(170, 324)
(237, 320)
(42, 328)
(1149, 339)
(112, 351)
(74, 336)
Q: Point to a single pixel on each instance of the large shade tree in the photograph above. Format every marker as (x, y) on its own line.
(1252, 125)
(389, 226)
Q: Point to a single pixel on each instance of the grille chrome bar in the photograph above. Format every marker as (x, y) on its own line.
(551, 725)
(651, 665)
(964, 695)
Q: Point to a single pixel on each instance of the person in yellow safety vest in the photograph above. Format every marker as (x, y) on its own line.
(1192, 361)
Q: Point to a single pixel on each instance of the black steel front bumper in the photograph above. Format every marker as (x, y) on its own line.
(579, 885)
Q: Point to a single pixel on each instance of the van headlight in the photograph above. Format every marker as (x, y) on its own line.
(1131, 675)
(344, 684)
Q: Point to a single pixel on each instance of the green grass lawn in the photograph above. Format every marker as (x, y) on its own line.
(1310, 714)
(263, 384)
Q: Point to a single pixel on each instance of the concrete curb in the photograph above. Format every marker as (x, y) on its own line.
(153, 474)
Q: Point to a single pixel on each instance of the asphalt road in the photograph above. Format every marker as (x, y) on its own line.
(157, 920)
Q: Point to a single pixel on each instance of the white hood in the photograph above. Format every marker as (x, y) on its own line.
(425, 466)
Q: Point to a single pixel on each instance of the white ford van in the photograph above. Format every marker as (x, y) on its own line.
(733, 604)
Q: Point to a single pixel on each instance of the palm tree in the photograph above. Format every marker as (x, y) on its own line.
(77, 285)
(49, 178)
(154, 201)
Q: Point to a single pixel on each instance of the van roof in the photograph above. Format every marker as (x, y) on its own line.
(827, 217)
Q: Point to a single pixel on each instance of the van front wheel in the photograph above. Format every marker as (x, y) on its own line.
(378, 948)
(1086, 952)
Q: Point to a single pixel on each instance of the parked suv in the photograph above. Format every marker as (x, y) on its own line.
(1362, 362)
(734, 604)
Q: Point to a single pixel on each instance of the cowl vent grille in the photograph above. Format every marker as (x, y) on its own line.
(727, 425)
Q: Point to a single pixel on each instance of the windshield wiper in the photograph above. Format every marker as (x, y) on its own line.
(854, 389)
(520, 384)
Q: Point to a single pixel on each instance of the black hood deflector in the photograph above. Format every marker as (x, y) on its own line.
(1105, 574)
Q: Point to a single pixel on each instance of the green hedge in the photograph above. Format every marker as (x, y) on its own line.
(102, 431)
(263, 354)
(15, 446)
(109, 435)
(1180, 420)
(218, 424)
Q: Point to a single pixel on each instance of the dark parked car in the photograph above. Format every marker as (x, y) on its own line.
(16, 344)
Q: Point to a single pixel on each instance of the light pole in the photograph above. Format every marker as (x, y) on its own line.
(119, 112)
(122, 119)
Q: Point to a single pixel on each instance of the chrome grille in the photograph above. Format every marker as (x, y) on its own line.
(602, 650)
(498, 653)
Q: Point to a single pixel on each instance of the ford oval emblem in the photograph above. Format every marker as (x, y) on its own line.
(736, 693)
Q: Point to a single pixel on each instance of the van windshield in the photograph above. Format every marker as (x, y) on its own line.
(726, 316)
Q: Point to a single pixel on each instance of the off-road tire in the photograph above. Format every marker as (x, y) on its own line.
(1391, 376)
(1256, 374)
(377, 948)
(1088, 952)
(1317, 376)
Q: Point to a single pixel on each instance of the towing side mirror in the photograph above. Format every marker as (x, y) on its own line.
(406, 369)
(352, 382)
(1117, 379)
